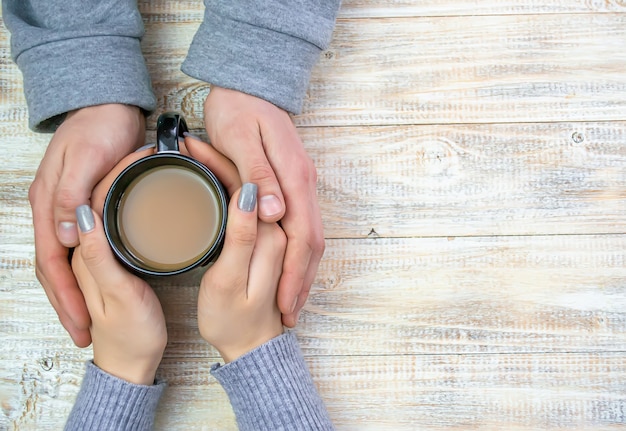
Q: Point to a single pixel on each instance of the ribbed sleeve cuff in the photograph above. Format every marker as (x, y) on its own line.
(265, 63)
(106, 402)
(65, 75)
(270, 388)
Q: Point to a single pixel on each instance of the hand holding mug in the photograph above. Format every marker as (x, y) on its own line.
(237, 309)
(263, 143)
(165, 213)
(88, 144)
(127, 322)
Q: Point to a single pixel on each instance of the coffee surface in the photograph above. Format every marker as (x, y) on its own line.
(168, 217)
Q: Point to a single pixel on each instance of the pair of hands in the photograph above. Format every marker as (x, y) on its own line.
(257, 136)
(237, 309)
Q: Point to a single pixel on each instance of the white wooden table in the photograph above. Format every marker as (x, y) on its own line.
(472, 178)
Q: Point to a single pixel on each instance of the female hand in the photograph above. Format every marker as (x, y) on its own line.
(237, 308)
(127, 323)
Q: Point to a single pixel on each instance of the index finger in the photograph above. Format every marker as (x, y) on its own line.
(302, 222)
(308, 246)
(221, 166)
(58, 280)
(241, 233)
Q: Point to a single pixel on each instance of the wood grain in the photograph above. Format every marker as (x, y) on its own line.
(494, 179)
(442, 70)
(497, 69)
(403, 392)
(449, 392)
(506, 179)
(409, 295)
(533, 68)
(193, 10)
(422, 8)
(472, 181)
(408, 333)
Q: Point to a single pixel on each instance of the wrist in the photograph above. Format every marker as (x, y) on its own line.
(129, 109)
(139, 372)
(234, 350)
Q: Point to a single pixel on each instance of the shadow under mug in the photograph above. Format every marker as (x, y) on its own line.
(170, 128)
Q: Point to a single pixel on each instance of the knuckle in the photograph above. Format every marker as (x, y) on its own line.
(261, 172)
(39, 274)
(319, 244)
(222, 282)
(307, 170)
(103, 151)
(91, 254)
(34, 190)
(66, 199)
(240, 236)
(314, 243)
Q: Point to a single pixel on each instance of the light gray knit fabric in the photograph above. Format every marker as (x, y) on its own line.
(77, 53)
(107, 403)
(266, 48)
(270, 388)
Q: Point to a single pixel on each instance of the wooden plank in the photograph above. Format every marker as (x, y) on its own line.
(183, 10)
(412, 392)
(498, 69)
(535, 68)
(397, 8)
(420, 318)
(449, 392)
(471, 180)
(404, 296)
(458, 180)
(463, 295)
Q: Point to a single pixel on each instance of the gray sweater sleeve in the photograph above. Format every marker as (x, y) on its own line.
(77, 53)
(266, 49)
(270, 388)
(106, 402)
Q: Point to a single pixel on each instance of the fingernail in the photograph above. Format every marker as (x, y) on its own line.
(247, 197)
(270, 205)
(145, 147)
(85, 220)
(293, 306)
(190, 135)
(67, 233)
(295, 319)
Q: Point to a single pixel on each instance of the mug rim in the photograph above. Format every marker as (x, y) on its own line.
(113, 197)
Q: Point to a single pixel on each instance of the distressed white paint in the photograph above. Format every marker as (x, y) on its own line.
(474, 199)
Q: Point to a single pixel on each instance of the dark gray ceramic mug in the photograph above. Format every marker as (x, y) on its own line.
(165, 214)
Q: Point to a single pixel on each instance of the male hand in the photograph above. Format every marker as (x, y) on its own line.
(263, 143)
(127, 322)
(237, 308)
(83, 150)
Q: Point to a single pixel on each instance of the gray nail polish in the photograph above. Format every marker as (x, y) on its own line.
(247, 197)
(84, 217)
(191, 135)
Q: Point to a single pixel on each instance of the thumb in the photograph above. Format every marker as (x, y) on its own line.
(81, 172)
(241, 230)
(253, 166)
(96, 253)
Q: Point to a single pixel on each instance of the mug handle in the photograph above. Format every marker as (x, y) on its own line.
(170, 127)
